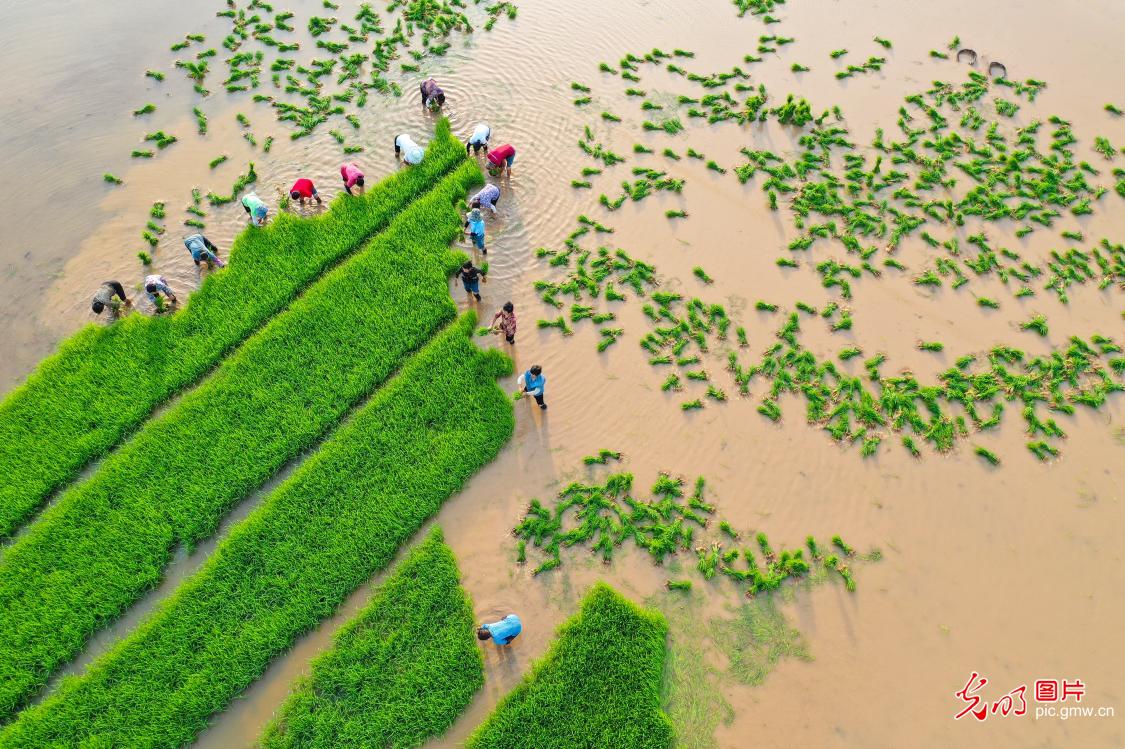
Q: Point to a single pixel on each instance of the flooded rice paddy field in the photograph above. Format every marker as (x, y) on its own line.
(1011, 571)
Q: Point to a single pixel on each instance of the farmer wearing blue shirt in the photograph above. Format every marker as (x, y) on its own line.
(534, 384)
(202, 250)
(501, 632)
(474, 224)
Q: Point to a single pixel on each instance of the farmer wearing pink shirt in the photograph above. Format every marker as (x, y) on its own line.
(353, 177)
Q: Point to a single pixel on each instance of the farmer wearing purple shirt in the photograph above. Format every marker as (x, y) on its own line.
(431, 94)
(486, 197)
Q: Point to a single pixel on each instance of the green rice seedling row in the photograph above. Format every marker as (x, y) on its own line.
(265, 405)
(598, 685)
(104, 381)
(399, 672)
(338, 520)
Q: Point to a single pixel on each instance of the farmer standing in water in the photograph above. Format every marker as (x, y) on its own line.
(256, 209)
(501, 159)
(110, 294)
(352, 176)
(408, 150)
(432, 95)
(501, 632)
(478, 141)
(202, 250)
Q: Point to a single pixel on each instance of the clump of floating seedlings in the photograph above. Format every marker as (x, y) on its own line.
(603, 516)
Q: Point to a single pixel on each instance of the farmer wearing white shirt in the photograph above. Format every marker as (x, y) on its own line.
(408, 150)
(478, 141)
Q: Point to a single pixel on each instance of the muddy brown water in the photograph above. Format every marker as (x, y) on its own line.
(1014, 572)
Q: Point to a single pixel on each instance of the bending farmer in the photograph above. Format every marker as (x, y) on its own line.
(202, 250)
(256, 209)
(304, 189)
(501, 632)
(488, 196)
(479, 139)
(155, 286)
(505, 321)
(533, 383)
(406, 148)
(501, 159)
(353, 177)
(432, 95)
(110, 294)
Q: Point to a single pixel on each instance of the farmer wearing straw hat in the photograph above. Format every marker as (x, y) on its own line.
(474, 224)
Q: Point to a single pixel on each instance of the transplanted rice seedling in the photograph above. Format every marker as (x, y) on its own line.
(988, 455)
(218, 160)
(157, 210)
(158, 76)
(161, 139)
(149, 676)
(931, 346)
(200, 120)
(702, 275)
(602, 677)
(770, 410)
(681, 585)
(146, 109)
(602, 458)
(90, 370)
(112, 179)
(407, 693)
(675, 214)
(762, 306)
(691, 405)
(1037, 324)
(1042, 450)
(140, 154)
